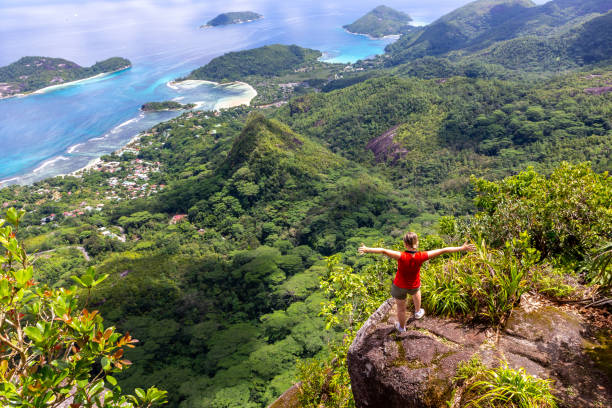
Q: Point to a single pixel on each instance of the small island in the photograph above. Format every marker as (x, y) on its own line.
(381, 22)
(234, 17)
(165, 106)
(31, 74)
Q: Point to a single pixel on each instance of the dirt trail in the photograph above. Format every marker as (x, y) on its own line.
(80, 248)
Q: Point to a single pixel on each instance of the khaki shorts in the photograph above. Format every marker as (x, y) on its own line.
(401, 293)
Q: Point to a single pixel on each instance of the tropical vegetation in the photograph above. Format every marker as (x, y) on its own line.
(54, 350)
(267, 61)
(230, 238)
(165, 106)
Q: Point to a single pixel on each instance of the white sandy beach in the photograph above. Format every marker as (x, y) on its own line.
(386, 37)
(248, 92)
(232, 101)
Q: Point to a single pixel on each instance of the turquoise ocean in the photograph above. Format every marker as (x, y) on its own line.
(62, 130)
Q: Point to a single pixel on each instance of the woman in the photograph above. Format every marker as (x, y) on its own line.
(408, 277)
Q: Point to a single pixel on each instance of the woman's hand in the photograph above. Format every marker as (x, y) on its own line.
(363, 249)
(468, 247)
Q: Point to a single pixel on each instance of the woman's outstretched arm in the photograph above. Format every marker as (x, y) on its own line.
(387, 252)
(448, 250)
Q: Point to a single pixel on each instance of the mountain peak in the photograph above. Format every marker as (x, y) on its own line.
(266, 141)
(380, 22)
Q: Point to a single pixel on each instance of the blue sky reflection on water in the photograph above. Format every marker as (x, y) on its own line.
(163, 40)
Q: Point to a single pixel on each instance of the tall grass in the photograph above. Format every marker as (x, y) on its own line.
(485, 284)
(505, 387)
(602, 266)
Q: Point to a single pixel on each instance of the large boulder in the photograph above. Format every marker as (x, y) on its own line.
(415, 368)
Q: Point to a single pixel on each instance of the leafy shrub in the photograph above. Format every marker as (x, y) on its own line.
(323, 385)
(350, 299)
(53, 351)
(567, 214)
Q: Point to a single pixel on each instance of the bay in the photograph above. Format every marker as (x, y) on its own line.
(62, 130)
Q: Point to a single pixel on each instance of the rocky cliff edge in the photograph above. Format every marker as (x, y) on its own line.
(416, 368)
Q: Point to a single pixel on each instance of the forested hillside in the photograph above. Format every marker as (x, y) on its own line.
(215, 294)
(234, 17)
(380, 22)
(266, 61)
(558, 33)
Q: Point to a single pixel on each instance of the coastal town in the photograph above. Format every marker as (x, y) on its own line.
(122, 176)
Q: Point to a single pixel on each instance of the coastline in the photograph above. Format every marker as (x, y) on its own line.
(30, 177)
(223, 103)
(384, 37)
(94, 162)
(51, 88)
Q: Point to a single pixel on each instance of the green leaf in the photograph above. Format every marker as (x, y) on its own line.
(49, 397)
(34, 333)
(140, 393)
(87, 281)
(4, 288)
(22, 276)
(96, 388)
(12, 216)
(102, 279)
(106, 364)
(79, 281)
(111, 380)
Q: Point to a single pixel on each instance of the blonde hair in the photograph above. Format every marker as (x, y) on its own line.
(411, 239)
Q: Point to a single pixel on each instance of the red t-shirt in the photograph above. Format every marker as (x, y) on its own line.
(408, 274)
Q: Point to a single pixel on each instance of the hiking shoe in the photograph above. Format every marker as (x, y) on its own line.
(419, 314)
(399, 328)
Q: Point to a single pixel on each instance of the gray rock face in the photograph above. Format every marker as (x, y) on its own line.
(415, 368)
(385, 149)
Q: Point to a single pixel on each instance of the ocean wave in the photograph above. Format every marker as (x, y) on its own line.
(93, 139)
(49, 162)
(5, 181)
(73, 147)
(127, 122)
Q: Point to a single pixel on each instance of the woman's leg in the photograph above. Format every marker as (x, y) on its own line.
(416, 300)
(400, 305)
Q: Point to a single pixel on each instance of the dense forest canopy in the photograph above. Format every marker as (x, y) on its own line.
(268, 61)
(166, 105)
